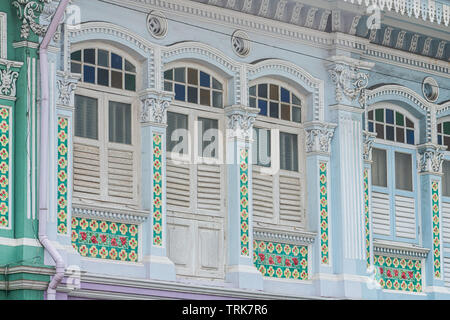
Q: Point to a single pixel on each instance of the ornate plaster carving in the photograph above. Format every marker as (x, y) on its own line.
(318, 136)
(28, 11)
(368, 139)
(8, 79)
(154, 107)
(347, 76)
(430, 158)
(66, 87)
(240, 121)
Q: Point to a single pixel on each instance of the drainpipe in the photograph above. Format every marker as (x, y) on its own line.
(43, 157)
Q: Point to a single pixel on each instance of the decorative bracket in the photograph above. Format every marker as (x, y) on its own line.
(154, 106)
(8, 79)
(66, 83)
(318, 136)
(368, 139)
(240, 121)
(431, 157)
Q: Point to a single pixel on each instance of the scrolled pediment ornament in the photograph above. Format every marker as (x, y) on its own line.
(28, 11)
(349, 81)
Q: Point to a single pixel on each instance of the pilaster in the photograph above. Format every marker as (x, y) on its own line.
(153, 119)
(240, 269)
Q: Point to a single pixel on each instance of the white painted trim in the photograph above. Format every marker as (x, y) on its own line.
(3, 36)
(19, 242)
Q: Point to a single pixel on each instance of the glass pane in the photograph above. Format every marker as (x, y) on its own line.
(86, 117)
(205, 79)
(177, 133)
(296, 100)
(371, 126)
(103, 77)
(130, 82)
(103, 58)
(89, 56)
(439, 139)
(439, 128)
(217, 99)
(285, 112)
(208, 138)
(192, 95)
(288, 152)
(180, 92)
(380, 131)
(205, 97)
(446, 178)
(285, 95)
(75, 67)
(403, 171)
(168, 86)
(252, 91)
(193, 76)
(409, 123)
(400, 135)
(119, 122)
(168, 75)
(399, 119)
(261, 147)
(262, 105)
(389, 116)
(117, 79)
(379, 115)
(274, 94)
(409, 136)
(116, 61)
(89, 74)
(262, 90)
(274, 110)
(252, 102)
(76, 56)
(379, 168)
(297, 114)
(447, 142)
(129, 66)
(390, 133)
(447, 128)
(180, 75)
(370, 115)
(216, 84)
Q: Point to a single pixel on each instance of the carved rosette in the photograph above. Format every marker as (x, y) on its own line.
(28, 11)
(240, 121)
(154, 108)
(368, 139)
(8, 79)
(430, 159)
(318, 137)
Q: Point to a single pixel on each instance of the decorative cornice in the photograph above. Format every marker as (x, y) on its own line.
(430, 158)
(318, 137)
(28, 11)
(128, 216)
(346, 75)
(8, 79)
(154, 106)
(368, 139)
(240, 121)
(399, 249)
(299, 238)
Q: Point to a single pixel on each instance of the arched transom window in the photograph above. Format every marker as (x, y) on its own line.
(194, 86)
(276, 102)
(391, 125)
(443, 133)
(104, 68)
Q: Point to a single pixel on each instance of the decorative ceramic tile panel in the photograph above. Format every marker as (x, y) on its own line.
(243, 197)
(279, 260)
(105, 239)
(367, 214)
(157, 190)
(324, 244)
(396, 273)
(62, 174)
(436, 229)
(5, 177)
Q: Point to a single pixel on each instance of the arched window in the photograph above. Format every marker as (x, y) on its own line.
(194, 86)
(275, 101)
(106, 129)
(394, 173)
(391, 125)
(104, 68)
(278, 160)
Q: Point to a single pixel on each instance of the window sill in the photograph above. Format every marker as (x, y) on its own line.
(130, 216)
(399, 248)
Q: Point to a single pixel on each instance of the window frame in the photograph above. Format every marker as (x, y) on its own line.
(391, 148)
